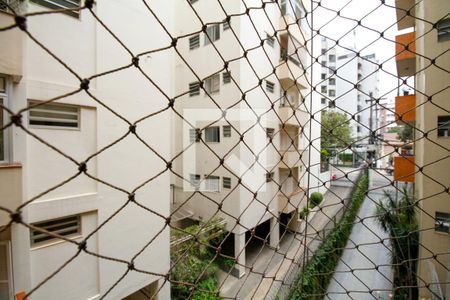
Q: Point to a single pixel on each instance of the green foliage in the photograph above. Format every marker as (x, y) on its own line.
(193, 262)
(406, 133)
(304, 213)
(398, 218)
(313, 282)
(324, 154)
(315, 199)
(395, 129)
(346, 157)
(335, 130)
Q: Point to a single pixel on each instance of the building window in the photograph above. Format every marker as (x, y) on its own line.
(213, 32)
(269, 176)
(332, 69)
(323, 75)
(332, 81)
(443, 28)
(194, 180)
(226, 77)
(343, 56)
(270, 132)
(226, 131)
(194, 135)
(443, 129)
(323, 100)
(332, 58)
(194, 89)
(54, 115)
(66, 227)
(332, 93)
(442, 222)
(61, 4)
(212, 84)
(270, 40)
(323, 89)
(194, 42)
(331, 104)
(226, 25)
(212, 183)
(358, 128)
(270, 86)
(324, 50)
(226, 182)
(212, 134)
(324, 63)
(358, 118)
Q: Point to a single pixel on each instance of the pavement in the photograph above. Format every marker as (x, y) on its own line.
(370, 254)
(270, 272)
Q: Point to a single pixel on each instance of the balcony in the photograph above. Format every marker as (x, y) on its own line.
(291, 158)
(296, 199)
(11, 51)
(10, 189)
(404, 168)
(292, 116)
(405, 108)
(290, 71)
(405, 56)
(403, 20)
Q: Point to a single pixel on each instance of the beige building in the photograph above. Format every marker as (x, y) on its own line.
(227, 68)
(427, 58)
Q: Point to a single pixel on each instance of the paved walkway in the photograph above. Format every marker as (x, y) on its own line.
(368, 256)
(277, 266)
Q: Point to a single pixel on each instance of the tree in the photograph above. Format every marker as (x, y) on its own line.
(406, 133)
(335, 130)
(398, 218)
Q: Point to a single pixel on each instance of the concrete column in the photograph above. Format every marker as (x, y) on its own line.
(239, 253)
(20, 244)
(274, 233)
(293, 222)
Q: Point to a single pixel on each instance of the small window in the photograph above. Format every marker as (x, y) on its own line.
(270, 86)
(226, 131)
(194, 42)
(226, 182)
(66, 227)
(324, 63)
(54, 115)
(358, 118)
(442, 222)
(343, 56)
(443, 129)
(270, 132)
(332, 69)
(212, 84)
(270, 40)
(194, 180)
(324, 50)
(212, 183)
(226, 77)
(212, 134)
(332, 81)
(226, 25)
(194, 89)
(443, 28)
(323, 89)
(270, 176)
(194, 135)
(331, 104)
(323, 75)
(323, 100)
(213, 32)
(61, 4)
(358, 128)
(332, 58)
(332, 93)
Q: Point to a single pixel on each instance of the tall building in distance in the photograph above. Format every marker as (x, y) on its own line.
(422, 53)
(349, 83)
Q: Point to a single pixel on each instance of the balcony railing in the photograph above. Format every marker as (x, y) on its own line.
(405, 108)
(405, 55)
(404, 168)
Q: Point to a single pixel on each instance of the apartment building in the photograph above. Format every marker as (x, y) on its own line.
(328, 62)
(39, 173)
(258, 77)
(422, 52)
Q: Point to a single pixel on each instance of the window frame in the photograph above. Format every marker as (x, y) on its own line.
(445, 128)
(226, 131)
(193, 181)
(270, 132)
(226, 185)
(218, 134)
(270, 40)
(445, 35)
(270, 86)
(53, 127)
(52, 240)
(209, 84)
(226, 77)
(194, 89)
(197, 44)
(6, 144)
(213, 32)
(445, 225)
(208, 180)
(60, 4)
(9, 269)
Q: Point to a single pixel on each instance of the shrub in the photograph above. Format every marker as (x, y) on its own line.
(312, 282)
(304, 213)
(315, 199)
